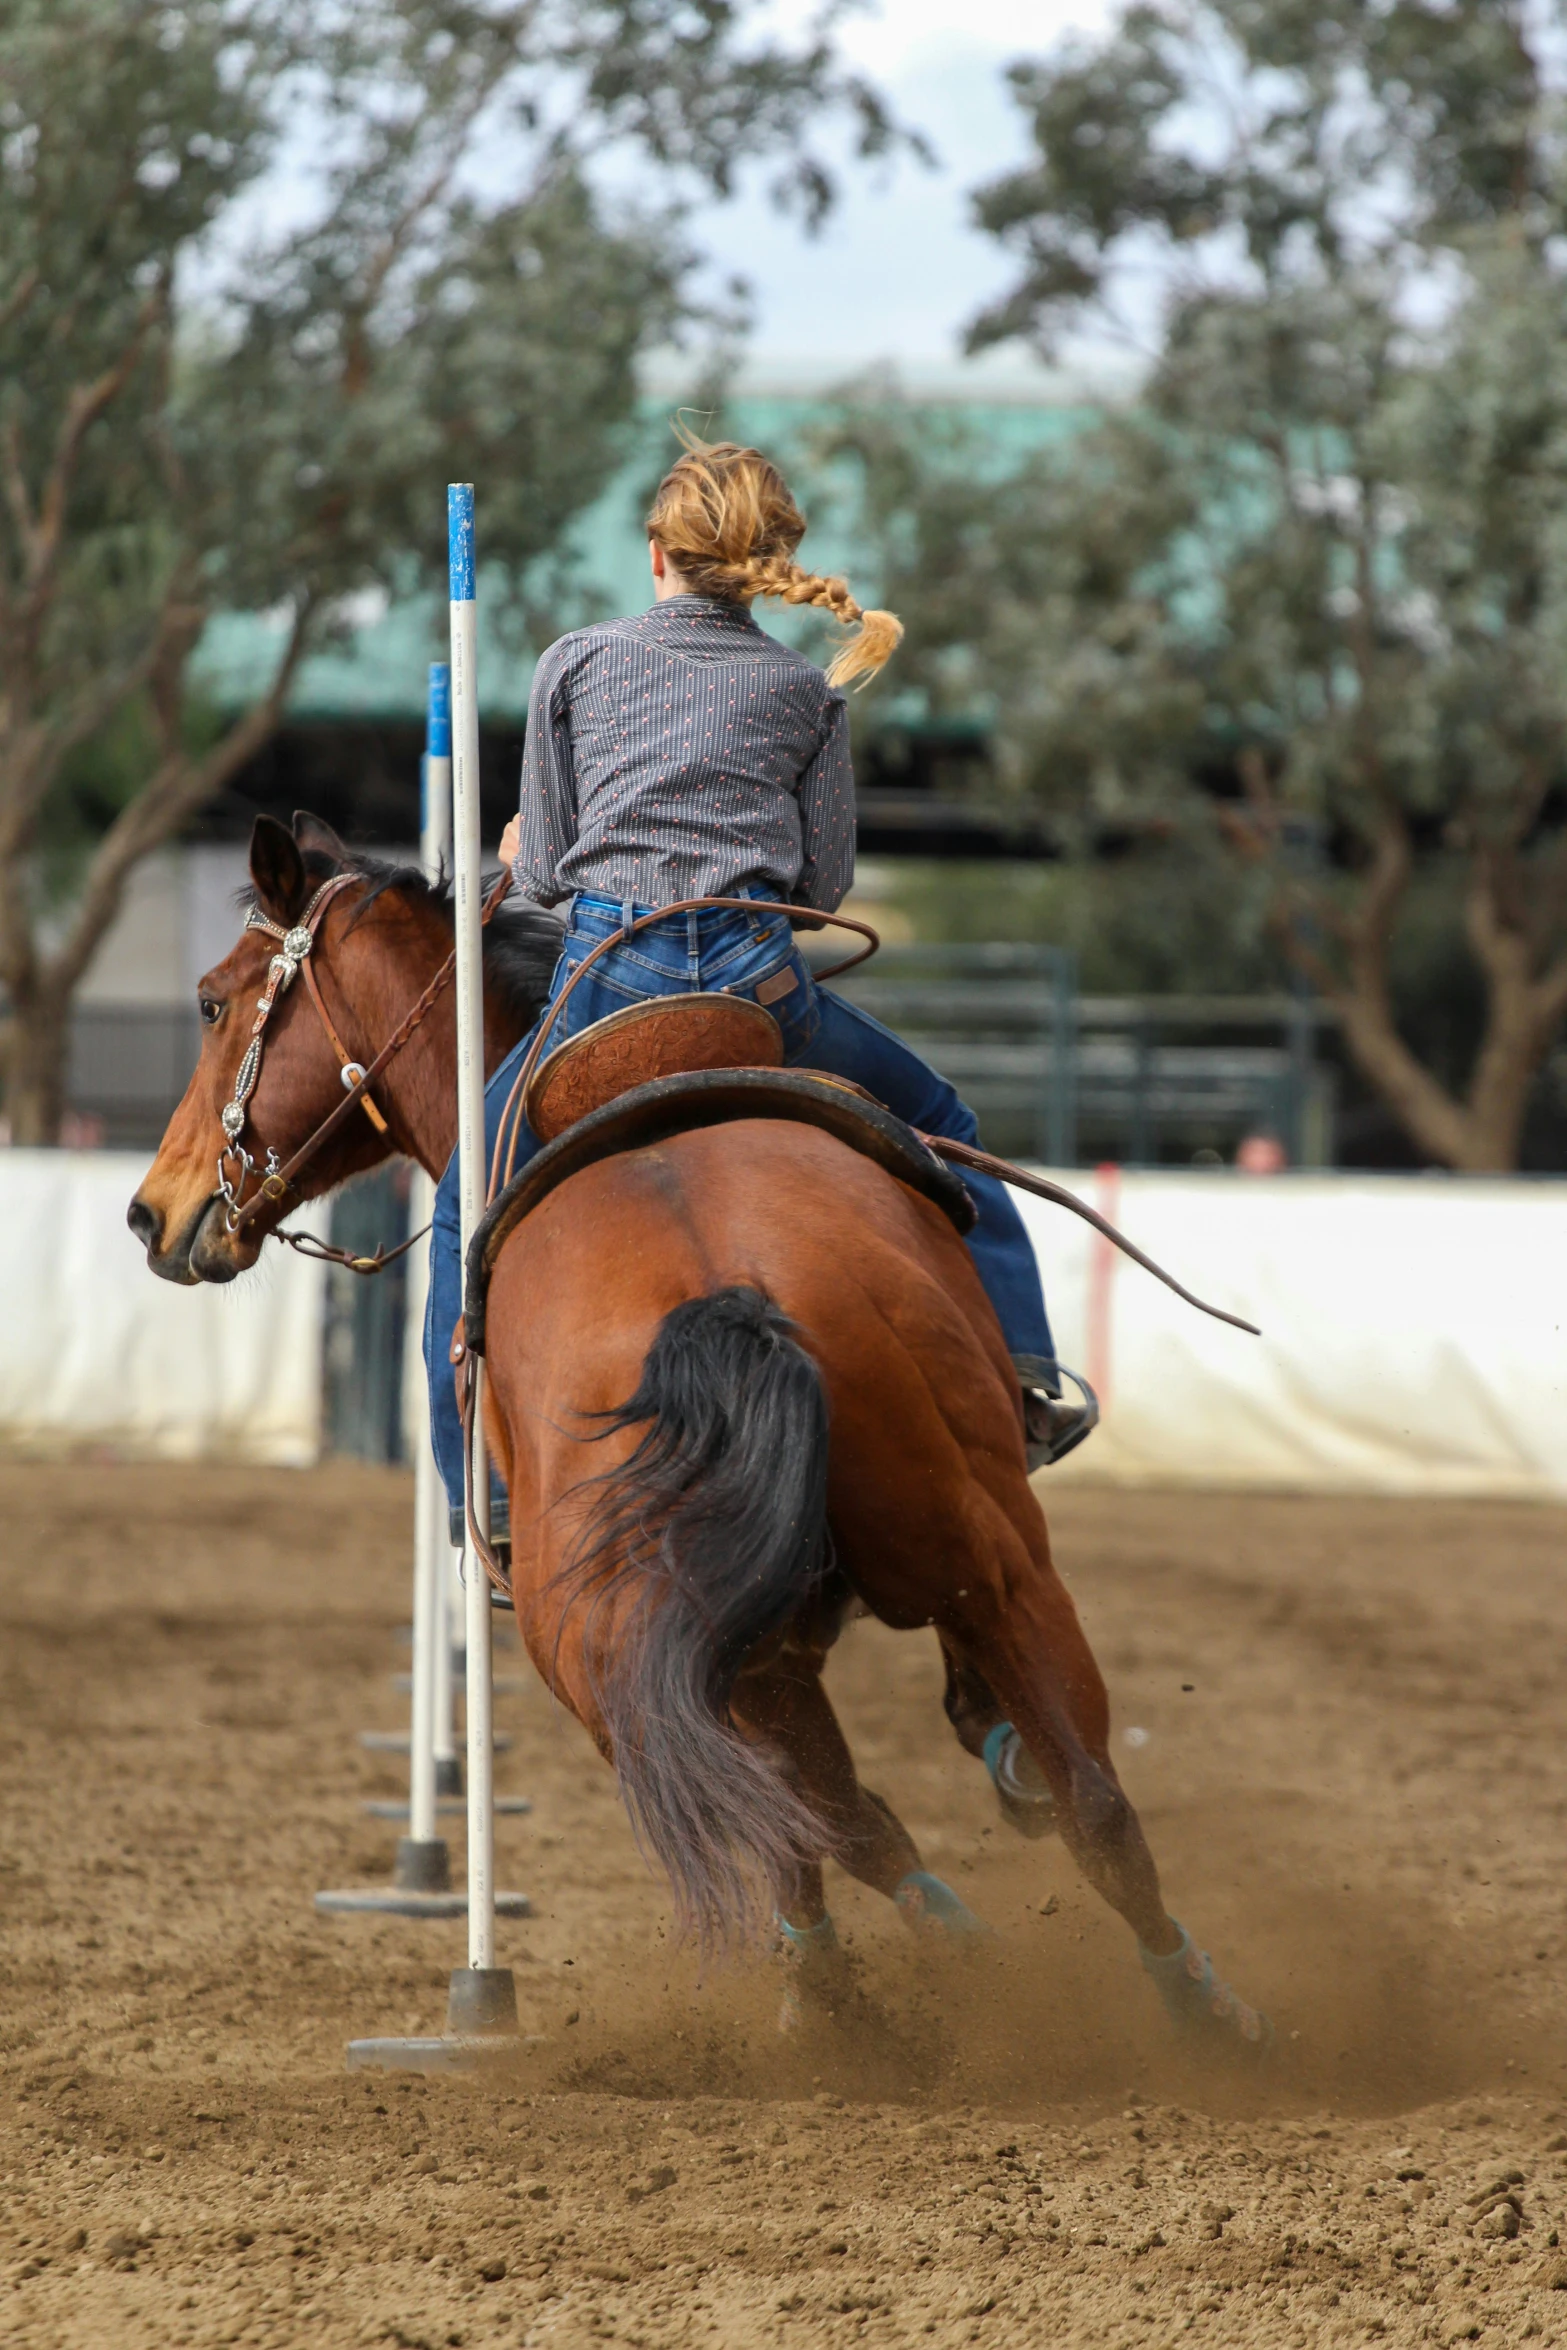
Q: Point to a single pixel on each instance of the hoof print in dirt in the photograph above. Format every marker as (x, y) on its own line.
(1205, 2010)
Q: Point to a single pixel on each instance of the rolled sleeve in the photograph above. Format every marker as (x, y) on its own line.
(826, 795)
(547, 802)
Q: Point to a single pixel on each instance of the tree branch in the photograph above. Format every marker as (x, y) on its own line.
(1430, 1114)
(356, 367)
(27, 777)
(1522, 1011)
(86, 405)
(13, 475)
(176, 791)
(16, 301)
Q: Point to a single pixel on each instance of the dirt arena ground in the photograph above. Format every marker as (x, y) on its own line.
(1358, 1805)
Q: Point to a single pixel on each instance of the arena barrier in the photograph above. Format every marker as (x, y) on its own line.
(97, 1353)
(1412, 1331)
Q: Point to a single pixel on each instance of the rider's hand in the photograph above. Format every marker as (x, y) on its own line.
(511, 842)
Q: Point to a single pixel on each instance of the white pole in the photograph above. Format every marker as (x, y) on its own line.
(448, 1772)
(466, 852)
(430, 1546)
(428, 1596)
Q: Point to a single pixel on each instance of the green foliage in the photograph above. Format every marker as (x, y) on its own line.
(1257, 144)
(1171, 924)
(1313, 587)
(273, 272)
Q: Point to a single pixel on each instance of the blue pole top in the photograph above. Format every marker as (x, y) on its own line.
(459, 540)
(438, 712)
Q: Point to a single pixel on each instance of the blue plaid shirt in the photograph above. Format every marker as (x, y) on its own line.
(684, 753)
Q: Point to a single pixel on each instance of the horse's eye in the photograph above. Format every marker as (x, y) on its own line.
(211, 1011)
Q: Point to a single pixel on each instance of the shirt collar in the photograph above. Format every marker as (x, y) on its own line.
(699, 615)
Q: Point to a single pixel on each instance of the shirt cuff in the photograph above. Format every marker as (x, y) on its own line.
(537, 893)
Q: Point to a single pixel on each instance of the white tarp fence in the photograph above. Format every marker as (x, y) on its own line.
(1412, 1331)
(95, 1351)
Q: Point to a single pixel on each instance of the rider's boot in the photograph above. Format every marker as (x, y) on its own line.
(1053, 1426)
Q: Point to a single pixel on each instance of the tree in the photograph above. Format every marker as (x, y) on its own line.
(206, 404)
(1312, 585)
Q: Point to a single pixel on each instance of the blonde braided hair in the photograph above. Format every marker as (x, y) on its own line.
(728, 523)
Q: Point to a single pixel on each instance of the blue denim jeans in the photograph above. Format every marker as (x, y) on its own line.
(737, 953)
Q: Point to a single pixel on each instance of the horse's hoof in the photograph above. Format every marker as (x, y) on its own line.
(927, 1905)
(815, 1972)
(1197, 2002)
(1020, 1784)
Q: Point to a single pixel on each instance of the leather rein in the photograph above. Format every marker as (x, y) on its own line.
(503, 1158)
(296, 951)
(296, 946)
(503, 1162)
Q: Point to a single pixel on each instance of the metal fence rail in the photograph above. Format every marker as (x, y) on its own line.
(1068, 1078)
(128, 1066)
(1051, 1074)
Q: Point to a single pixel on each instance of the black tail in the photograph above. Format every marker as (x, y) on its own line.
(720, 1513)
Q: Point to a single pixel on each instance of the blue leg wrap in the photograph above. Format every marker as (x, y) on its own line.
(813, 1970)
(807, 1941)
(926, 1903)
(1020, 1786)
(1196, 2000)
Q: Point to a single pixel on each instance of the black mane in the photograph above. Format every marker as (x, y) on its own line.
(522, 941)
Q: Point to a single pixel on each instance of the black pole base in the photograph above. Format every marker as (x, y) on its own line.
(424, 1865)
(481, 2000)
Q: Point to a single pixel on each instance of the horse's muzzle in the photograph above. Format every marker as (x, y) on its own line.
(203, 1251)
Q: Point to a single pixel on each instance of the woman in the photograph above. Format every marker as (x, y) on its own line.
(684, 754)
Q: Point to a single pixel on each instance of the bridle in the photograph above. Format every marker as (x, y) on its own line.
(276, 1179)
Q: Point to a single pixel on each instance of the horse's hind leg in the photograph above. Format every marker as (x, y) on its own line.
(979, 1720)
(781, 1699)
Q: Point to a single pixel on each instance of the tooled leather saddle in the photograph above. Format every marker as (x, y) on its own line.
(667, 1066)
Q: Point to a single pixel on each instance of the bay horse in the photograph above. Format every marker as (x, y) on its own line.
(741, 1383)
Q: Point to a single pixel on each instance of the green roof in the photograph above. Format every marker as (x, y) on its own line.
(379, 670)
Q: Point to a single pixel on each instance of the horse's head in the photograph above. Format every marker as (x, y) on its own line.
(378, 939)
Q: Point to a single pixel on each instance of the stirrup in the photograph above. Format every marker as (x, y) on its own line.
(498, 1598)
(1052, 1425)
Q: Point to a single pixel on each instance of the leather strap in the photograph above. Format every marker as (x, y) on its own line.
(284, 1178)
(667, 1106)
(351, 1069)
(806, 917)
(963, 1154)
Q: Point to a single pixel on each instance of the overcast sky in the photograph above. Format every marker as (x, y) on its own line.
(898, 270)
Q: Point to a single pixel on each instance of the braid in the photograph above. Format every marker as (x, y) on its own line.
(725, 519)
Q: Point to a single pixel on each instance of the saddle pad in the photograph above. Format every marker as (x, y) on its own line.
(709, 1097)
(661, 1038)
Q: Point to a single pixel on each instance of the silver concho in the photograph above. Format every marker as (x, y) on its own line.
(233, 1120)
(296, 944)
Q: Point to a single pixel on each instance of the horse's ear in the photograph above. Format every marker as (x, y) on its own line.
(313, 838)
(277, 870)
